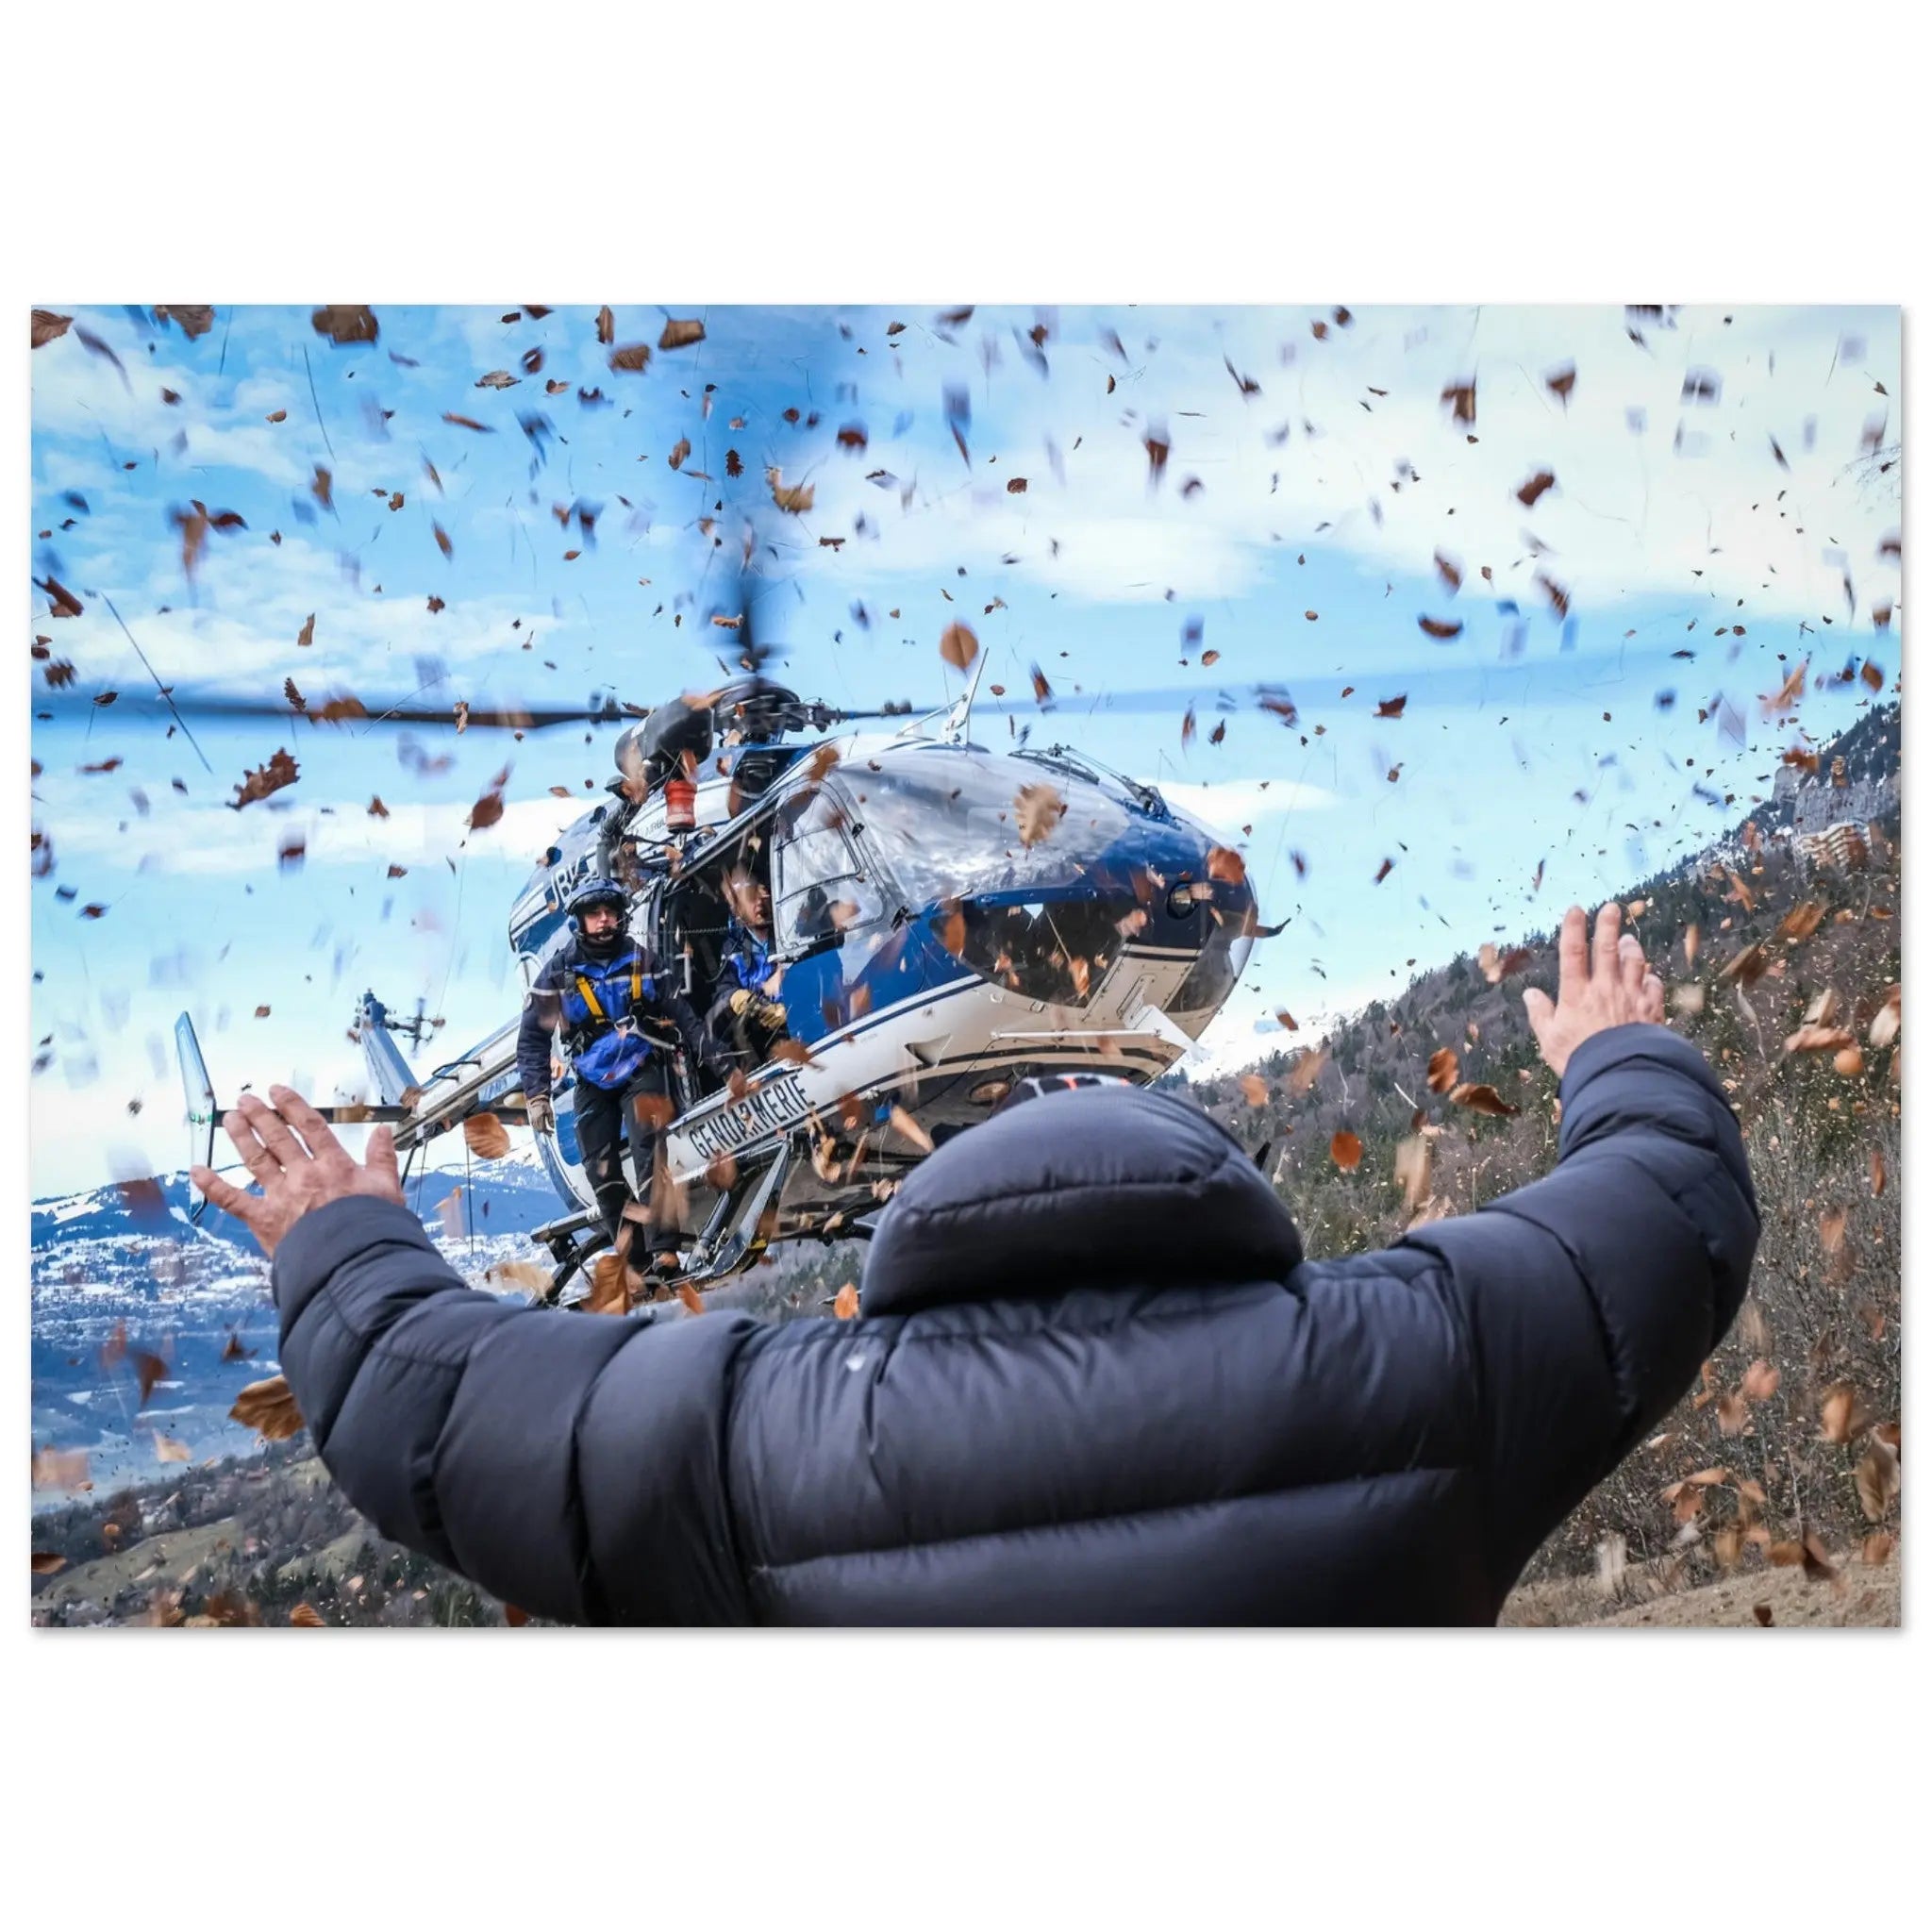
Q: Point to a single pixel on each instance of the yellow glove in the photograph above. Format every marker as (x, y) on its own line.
(741, 1002)
(772, 1013)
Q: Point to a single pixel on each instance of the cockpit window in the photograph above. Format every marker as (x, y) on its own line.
(948, 825)
(820, 889)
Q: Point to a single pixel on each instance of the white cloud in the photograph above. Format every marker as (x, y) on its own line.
(1243, 801)
(212, 838)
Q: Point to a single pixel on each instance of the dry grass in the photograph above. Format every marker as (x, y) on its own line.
(1862, 1597)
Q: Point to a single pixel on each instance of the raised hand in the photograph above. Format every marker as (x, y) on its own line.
(298, 1163)
(1599, 986)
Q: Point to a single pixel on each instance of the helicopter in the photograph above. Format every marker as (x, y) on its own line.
(948, 919)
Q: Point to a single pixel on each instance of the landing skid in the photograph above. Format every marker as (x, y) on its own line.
(731, 1240)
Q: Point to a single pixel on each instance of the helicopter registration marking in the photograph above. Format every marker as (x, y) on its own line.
(768, 1110)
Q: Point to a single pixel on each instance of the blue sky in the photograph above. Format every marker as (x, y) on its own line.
(1328, 486)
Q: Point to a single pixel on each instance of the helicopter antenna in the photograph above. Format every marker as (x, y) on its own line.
(959, 713)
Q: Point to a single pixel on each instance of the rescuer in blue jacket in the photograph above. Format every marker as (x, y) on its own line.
(746, 1016)
(621, 1018)
(1094, 1379)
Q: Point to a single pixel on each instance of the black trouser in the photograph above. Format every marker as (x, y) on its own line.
(602, 1113)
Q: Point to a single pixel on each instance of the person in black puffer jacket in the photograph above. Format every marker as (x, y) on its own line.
(1096, 1379)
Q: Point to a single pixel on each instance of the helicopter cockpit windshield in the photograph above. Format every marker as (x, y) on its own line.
(1052, 871)
(951, 825)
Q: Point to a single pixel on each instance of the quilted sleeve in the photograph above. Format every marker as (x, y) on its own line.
(567, 1463)
(1592, 1296)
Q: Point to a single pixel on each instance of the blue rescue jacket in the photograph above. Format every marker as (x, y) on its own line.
(613, 1015)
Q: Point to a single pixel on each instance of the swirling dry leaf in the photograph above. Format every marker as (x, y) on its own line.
(1480, 1098)
(486, 1136)
(268, 1407)
(1037, 812)
(345, 323)
(958, 646)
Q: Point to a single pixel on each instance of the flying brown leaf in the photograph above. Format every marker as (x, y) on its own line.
(1760, 1381)
(794, 499)
(1414, 1157)
(306, 1616)
(1801, 922)
(1885, 1023)
(62, 1469)
(345, 323)
(1444, 1066)
(1877, 1481)
(281, 769)
(1307, 1070)
(1345, 1150)
(489, 808)
(681, 333)
(1817, 1040)
(632, 360)
(168, 1449)
(958, 646)
(46, 327)
(148, 1370)
(486, 1136)
(1037, 811)
(1838, 1413)
(1440, 626)
(1481, 1099)
(845, 1303)
(268, 1407)
(46, 1563)
(1529, 492)
(1497, 966)
(1227, 865)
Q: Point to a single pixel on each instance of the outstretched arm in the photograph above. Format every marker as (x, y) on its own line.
(1590, 1297)
(550, 1457)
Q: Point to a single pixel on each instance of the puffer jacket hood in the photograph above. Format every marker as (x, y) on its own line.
(1092, 1186)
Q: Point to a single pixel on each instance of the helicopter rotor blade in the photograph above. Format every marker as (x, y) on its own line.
(332, 709)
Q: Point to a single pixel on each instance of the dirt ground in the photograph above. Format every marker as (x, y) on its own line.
(1863, 1597)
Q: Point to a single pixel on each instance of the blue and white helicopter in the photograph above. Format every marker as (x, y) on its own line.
(947, 920)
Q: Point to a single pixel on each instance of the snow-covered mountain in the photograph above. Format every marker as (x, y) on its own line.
(122, 1271)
